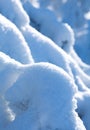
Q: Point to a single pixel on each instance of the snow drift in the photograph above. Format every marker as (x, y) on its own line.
(12, 42)
(44, 84)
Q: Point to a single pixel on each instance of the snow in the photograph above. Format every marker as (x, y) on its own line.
(44, 50)
(84, 107)
(39, 88)
(44, 84)
(13, 43)
(38, 20)
(13, 10)
(84, 35)
(9, 72)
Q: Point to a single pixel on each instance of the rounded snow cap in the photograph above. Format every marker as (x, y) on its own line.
(65, 37)
(13, 43)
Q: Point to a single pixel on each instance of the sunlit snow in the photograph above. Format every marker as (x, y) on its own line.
(44, 65)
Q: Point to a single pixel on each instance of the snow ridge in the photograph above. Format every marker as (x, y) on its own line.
(44, 84)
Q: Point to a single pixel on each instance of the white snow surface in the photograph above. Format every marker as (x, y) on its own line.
(41, 87)
(44, 84)
(13, 43)
(48, 25)
(12, 9)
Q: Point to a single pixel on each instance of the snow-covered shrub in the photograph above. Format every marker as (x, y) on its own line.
(49, 95)
(83, 99)
(12, 9)
(9, 72)
(13, 43)
(45, 50)
(53, 95)
(68, 11)
(46, 22)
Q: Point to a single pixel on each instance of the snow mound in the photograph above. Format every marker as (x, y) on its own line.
(45, 50)
(83, 109)
(45, 96)
(12, 9)
(48, 25)
(13, 43)
(44, 85)
(9, 72)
